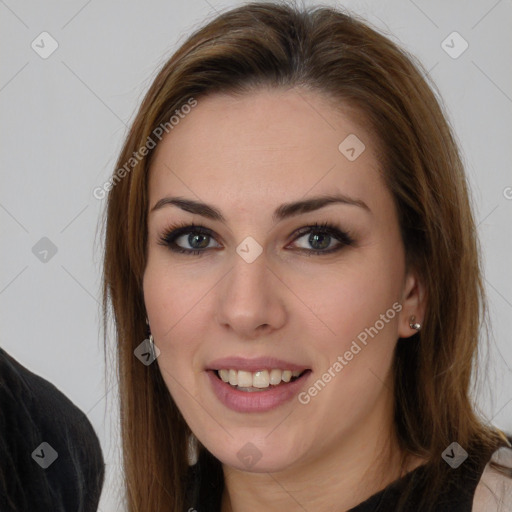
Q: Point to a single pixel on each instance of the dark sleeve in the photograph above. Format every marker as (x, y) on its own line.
(50, 455)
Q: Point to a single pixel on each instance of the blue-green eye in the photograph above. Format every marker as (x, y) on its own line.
(321, 237)
(199, 238)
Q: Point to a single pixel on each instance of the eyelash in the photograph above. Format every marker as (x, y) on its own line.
(178, 229)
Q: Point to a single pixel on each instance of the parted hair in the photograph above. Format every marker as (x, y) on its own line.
(335, 54)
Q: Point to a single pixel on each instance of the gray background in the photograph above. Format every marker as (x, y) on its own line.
(63, 122)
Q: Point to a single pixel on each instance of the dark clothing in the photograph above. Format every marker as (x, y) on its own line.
(65, 474)
(457, 496)
(205, 492)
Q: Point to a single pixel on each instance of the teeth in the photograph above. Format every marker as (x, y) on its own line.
(244, 379)
(261, 379)
(275, 377)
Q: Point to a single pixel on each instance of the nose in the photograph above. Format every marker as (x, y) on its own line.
(251, 299)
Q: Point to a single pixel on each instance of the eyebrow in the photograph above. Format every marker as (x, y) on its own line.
(284, 211)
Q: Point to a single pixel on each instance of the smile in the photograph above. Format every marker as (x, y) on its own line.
(259, 380)
(255, 385)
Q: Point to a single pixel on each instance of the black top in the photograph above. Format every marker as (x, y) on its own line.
(50, 455)
(205, 493)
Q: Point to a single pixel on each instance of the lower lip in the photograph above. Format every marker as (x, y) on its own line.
(257, 401)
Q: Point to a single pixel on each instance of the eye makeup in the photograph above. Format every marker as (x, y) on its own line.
(198, 234)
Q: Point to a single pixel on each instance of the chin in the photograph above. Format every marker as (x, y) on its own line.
(257, 456)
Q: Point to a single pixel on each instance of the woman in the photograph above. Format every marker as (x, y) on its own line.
(292, 265)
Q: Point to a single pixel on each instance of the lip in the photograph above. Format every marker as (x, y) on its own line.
(257, 401)
(254, 365)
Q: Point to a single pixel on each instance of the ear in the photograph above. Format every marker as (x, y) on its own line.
(413, 302)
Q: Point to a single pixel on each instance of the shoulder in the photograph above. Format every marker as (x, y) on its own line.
(31, 395)
(494, 490)
(34, 411)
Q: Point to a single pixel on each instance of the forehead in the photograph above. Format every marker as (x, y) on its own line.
(263, 146)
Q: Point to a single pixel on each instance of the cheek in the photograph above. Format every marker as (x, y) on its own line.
(178, 327)
(347, 299)
(355, 352)
(173, 305)
(356, 319)
(172, 295)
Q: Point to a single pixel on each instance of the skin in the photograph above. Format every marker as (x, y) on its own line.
(247, 155)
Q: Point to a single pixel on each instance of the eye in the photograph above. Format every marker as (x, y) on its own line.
(197, 237)
(321, 238)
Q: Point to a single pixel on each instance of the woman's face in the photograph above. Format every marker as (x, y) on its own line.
(257, 306)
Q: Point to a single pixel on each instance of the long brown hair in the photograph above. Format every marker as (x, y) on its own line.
(341, 57)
